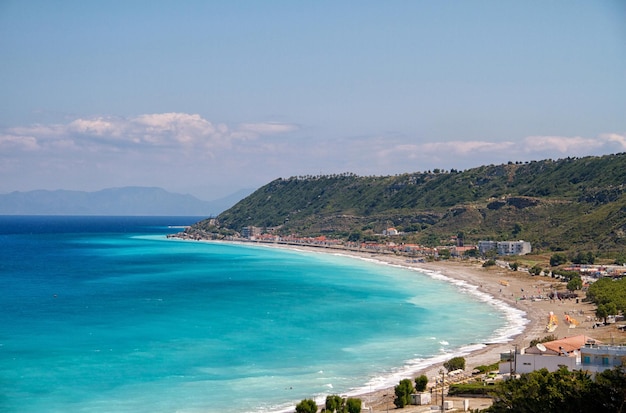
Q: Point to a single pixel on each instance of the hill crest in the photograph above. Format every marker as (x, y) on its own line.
(568, 203)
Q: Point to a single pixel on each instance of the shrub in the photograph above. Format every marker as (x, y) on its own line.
(421, 383)
(468, 388)
(575, 283)
(490, 367)
(353, 405)
(333, 403)
(306, 406)
(403, 393)
(546, 339)
(558, 259)
(455, 363)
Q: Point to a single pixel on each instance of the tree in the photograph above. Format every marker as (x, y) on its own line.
(561, 391)
(421, 382)
(306, 406)
(353, 405)
(602, 312)
(576, 283)
(558, 259)
(584, 258)
(620, 260)
(403, 393)
(455, 363)
(611, 390)
(444, 254)
(605, 310)
(514, 265)
(535, 269)
(333, 403)
(471, 253)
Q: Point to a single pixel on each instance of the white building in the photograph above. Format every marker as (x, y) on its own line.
(520, 247)
(598, 357)
(484, 246)
(250, 232)
(566, 352)
(513, 247)
(390, 231)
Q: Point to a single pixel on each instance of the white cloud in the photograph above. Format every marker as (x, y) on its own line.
(167, 130)
(27, 143)
(183, 128)
(266, 128)
(613, 138)
(96, 126)
(560, 144)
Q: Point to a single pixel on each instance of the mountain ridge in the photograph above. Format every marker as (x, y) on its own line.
(571, 203)
(130, 200)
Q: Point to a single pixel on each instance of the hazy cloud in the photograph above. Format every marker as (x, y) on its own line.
(27, 143)
(165, 149)
(170, 130)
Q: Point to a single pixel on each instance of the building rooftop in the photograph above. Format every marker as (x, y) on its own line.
(567, 345)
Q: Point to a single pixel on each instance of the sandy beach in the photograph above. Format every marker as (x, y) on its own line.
(502, 284)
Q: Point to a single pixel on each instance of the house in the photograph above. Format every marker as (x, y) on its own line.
(598, 357)
(552, 355)
(390, 231)
(457, 251)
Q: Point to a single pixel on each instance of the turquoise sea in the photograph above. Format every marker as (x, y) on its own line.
(105, 314)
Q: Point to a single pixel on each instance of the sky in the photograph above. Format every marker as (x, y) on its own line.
(210, 97)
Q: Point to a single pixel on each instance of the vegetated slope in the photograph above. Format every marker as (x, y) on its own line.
(569, 203)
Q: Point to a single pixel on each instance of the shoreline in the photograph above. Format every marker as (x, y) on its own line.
(485, 283)
(488, 281)
(495, 286)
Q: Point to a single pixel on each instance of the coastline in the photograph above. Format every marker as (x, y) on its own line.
(494, 285)
(497, 286)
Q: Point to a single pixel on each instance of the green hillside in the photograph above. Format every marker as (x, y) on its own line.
(565, 204)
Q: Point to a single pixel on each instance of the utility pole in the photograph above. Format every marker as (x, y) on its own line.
(443, 385)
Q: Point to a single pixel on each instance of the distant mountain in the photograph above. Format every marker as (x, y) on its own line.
(112, 201)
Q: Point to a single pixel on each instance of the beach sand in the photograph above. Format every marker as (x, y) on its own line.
(508, 286)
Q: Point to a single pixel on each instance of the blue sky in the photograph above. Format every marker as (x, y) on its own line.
(208, 97)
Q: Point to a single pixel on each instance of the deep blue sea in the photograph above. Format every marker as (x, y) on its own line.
(105, 314)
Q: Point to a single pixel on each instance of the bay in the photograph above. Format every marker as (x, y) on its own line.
(104, 314)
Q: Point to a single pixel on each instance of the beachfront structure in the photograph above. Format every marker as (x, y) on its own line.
(250, 232)
(457, 251)
(484, 246)
(598, 357)
(552, 355)
(520, 247)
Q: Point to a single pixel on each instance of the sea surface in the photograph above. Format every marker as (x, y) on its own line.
(105, 314)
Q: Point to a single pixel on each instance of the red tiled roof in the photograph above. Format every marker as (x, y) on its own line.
(567, 344)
